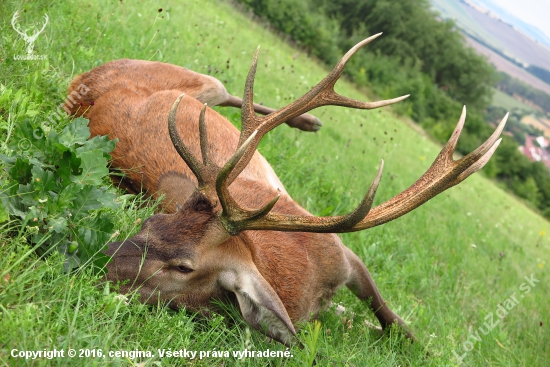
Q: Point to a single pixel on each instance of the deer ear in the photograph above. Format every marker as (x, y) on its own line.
(260, 306)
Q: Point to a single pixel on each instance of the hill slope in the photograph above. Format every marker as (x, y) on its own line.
(516, 43)
(505, 65)
(493, 37)
(528, 29)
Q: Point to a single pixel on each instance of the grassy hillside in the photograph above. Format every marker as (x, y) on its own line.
(445, 268)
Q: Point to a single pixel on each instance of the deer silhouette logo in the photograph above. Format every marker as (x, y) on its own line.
(29, 40)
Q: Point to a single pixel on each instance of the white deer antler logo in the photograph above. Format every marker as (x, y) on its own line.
(28, 39)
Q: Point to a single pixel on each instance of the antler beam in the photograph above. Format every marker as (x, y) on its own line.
(444, 173)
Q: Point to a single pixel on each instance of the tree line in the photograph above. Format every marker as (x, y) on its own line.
(540, 73)
(513, 86)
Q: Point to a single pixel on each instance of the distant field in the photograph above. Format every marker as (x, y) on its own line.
(495, 32)
(502, 99)
(457, 11)
(509, 68)
(511, 40)
(542, 124)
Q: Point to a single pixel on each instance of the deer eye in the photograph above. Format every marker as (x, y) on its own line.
(184, 269)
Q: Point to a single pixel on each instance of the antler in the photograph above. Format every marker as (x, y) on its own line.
(16, 27)
(235, 218)
(206, 172)
(24, 34)
(443, 173)
(28, 39)
(43, 27)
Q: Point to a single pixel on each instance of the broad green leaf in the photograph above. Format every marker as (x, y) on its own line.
(76, 132)
(93, 235)
(67, 166)
(55, 152)
(71, 261)
(35, 216)
(68, 195)
(21, 171)
(43, 181)
(28, 194)
(98, 142)
(87, 199)
(94, 168)
(39, 162)
(28, 139)
(58, 224)
(13, 205)
(4, 215)
(108, 199)
(9, 161)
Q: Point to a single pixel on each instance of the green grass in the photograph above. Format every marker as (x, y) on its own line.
(425, 264)
(502, 99)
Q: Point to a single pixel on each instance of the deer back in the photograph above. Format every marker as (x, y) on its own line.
(128, 104)
(145, 78)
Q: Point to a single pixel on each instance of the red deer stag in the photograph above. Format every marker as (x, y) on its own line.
(227, 228)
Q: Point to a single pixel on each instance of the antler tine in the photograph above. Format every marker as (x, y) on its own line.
(483, 148)
(14, 18)
(45, 23)
(203, 137)
(449, 148)
(182, 150)
(228, 204)
(322, 94)
(442, 174)
(249, 118)
(336, 224)
(14, 24)
(480, 163)
(240, 219)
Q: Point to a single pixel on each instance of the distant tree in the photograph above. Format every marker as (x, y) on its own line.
(511, 163)
(541, 176)
(540, 73)
(413, 34)
(513, 86)
(527, 189)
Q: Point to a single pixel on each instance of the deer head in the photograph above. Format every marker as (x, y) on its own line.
(205, 250)
(29, 40)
